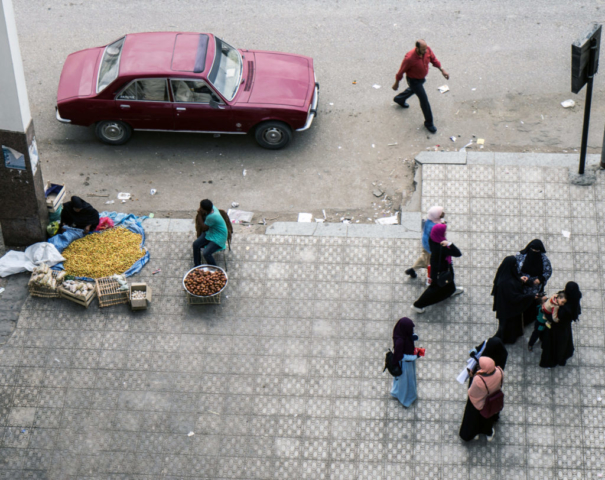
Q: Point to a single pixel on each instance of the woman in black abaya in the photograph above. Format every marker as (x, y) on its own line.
(442, 252)
(510, 301)
(493, 348)
(533, 264)
(557, 342)
(80, 214)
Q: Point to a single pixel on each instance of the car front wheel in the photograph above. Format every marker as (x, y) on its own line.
(113, 132)
(273, 135)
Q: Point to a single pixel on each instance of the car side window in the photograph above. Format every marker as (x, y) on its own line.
(148, 89)
(192, 91)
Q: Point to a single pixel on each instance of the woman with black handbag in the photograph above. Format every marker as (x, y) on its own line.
(485, 401)
(442, 271)
(404, 386)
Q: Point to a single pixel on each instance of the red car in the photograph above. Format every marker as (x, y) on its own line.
(187, 82)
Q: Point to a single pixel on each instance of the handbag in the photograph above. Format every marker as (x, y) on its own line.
(494, 403)
(446, 277)
(393, 367)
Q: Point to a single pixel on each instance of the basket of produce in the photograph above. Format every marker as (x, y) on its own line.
(44, 281)
(204, 285)
(112, 290)
(78, 292)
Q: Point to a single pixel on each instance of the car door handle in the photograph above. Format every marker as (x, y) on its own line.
(180, 108)
(124, 106)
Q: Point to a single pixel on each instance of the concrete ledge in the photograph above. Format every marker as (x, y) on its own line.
(453, 158)
(292, 228)
(561, 160)
(346, 230)
(331, 230)
(380, 231)
(480, 158)
(181, 225)
(412, 221)
(156, 225)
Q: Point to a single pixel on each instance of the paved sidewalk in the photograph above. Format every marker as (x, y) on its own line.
(284, 379)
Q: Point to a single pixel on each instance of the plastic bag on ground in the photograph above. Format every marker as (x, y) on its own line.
(36, 254)
(104, 224)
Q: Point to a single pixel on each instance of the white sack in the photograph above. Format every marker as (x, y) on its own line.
(36, 254)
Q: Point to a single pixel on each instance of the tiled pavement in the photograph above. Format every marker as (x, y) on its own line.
(283, 380)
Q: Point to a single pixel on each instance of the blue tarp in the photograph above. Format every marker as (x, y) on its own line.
(129, 221)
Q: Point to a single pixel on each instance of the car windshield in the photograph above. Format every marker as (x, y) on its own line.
(226, 72)
(110, 64)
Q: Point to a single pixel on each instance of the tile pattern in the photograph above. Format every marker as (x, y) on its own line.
(284, 378)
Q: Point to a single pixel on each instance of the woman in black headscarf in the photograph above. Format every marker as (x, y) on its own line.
(510, 301)
(557, 342)
(533, 264)
(404, 386)
(79, 214)
(493, 348)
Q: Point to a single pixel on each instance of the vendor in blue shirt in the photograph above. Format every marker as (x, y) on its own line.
(435, 215)
(211, 231)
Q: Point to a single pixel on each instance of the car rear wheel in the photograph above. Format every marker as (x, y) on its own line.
(113, 132)
(273, 135)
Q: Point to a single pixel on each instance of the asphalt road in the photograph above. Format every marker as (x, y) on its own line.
(509, 64)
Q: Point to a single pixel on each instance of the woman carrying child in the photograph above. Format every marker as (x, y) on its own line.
(557, 342)
(547, 314)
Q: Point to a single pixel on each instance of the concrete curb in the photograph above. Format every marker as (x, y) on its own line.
(410, 229)
(568, 160)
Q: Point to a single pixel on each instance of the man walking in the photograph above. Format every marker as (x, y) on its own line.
(415, 66)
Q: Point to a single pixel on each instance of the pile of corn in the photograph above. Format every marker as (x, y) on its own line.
(103, 254)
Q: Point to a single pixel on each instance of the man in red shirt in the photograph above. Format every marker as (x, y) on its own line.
(415, 66)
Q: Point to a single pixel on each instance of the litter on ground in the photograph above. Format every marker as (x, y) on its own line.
(388, 220)
(568, 104)
(480, 141)
(443, 89)
(305, 217)
(239, 216)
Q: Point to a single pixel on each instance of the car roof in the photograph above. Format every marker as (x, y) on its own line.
(152, 53)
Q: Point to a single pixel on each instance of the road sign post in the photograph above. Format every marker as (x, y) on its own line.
(584, 66)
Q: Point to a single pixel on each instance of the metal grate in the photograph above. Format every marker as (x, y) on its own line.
(250, 76)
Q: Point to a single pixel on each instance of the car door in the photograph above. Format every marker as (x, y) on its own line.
(145, 105)
(198, 108)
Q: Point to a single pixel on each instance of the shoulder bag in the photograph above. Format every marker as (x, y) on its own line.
(494, 403)
(393, 367)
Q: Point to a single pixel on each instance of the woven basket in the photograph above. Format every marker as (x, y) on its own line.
(108, 292)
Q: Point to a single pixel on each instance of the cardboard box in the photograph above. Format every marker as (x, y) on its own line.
(55, 194)
(140, 304)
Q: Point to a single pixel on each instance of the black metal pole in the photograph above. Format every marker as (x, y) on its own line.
(593, 48)
(603, 153)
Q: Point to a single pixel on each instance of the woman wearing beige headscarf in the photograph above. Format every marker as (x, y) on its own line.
(486, 381)
(434, 216)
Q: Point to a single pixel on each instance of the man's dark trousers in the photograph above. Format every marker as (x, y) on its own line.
(415, 87)
(210, 248)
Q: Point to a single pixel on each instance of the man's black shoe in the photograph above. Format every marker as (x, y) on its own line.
(405, 105)
(432, 128)
(411, 272)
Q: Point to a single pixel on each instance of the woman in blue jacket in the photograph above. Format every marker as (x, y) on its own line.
(434, 216)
